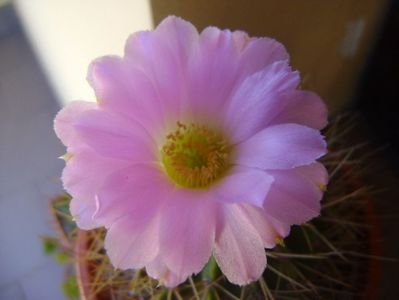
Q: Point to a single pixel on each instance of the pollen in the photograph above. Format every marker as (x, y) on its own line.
(322, 187)
(279, 240)
(195, 156)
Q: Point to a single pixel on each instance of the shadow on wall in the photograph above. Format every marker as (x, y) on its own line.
(8, 22)
(29, 169)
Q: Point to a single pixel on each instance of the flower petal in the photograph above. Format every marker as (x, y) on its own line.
(268, 229)
(163, 56)
(302, 107)
(158, 270)
(213, 71)
(82, 211)
(178, 35)
(239, 249)
(63, 122)
(126, 90)
(139, 189)
(185, 66)
(83, 174)
(113, 136)
(173, 37)
(132, 242)
(283, 229)
(295, 195)
(255, 103)
(261, 52)
(187, 232)
(315, 173)
(282, 146)
(129, 204)
(243, 185)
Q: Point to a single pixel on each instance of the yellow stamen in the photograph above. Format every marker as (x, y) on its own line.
(322, 186)
(67, 156)
(279, 240)
(195, 156)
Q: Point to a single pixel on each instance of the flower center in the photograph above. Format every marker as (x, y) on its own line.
(194, 156)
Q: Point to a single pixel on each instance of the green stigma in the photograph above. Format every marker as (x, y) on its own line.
(195, 156)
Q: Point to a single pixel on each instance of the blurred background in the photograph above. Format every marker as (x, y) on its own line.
(346, 50)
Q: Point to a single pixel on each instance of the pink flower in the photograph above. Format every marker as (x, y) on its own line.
(199, 145)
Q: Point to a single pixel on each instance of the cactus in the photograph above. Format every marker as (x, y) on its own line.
(327, 258)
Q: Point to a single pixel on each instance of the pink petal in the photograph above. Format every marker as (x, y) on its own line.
(239, 249)
(255, 103)
(82, 211)
(65, 118)
(261, 52)
(132, 242)
(130, 204)
(212, 71)
(126, 90)
(315, 173)
(268, 229)
(302, 107)
(162, 68)
(115, 137)
(173, 35)
(178, 35)
(83, 174)
(281, 147)
(158, 270)
(163, 56)
(281, 228)
(186, 66)
(187, 232)
(295, 195)
(195, 74)
(134, 191)
(181, 39)
(224, 59)
(243, 185)
(241, 40)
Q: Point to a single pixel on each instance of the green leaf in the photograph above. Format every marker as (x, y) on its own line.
(70, 288)
(62, 257)
(50, 245)
(211, 270)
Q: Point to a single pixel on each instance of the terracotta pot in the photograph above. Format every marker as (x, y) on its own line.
(375, 269)
(82, 266)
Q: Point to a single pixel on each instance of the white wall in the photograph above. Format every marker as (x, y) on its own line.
(68, 34)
